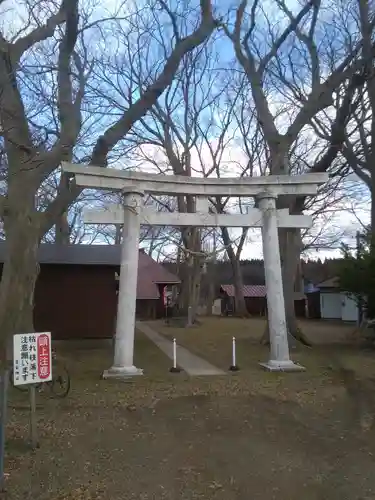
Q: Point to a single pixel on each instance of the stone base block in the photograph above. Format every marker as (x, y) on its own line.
(124, 372)
(282, 366)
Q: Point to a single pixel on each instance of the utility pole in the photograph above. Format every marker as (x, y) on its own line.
(358, 255)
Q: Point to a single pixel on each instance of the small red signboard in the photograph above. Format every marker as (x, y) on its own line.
(44, 356)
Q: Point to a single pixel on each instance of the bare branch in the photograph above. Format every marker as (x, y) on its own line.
(294, 22)
(42, 32)
(149, 97)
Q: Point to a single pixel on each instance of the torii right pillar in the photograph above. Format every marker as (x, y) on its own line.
(279, 352)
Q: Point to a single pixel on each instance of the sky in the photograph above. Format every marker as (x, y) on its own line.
(344, 221)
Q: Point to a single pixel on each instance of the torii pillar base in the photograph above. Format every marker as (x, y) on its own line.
(122, 373)
(282, 366)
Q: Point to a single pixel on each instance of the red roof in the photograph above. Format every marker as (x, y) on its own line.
(147, 290)
(248, 290)
(255, 291)
(151, 270)
(150, 275)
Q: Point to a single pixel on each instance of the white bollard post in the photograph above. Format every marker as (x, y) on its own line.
(174, 354)
(175, 368)
(234, 367)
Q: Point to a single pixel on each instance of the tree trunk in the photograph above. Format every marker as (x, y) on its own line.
(62, 230)
(210, 299)
(290, 252)
(240, 303)
(192, 268)
(290, 256)
(190, 286)
(192, 272)
(19, 275)
(118, 235)
(195, 288)
(210, 287)
(183, 296)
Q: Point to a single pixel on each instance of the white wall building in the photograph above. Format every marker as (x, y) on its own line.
(335, 304)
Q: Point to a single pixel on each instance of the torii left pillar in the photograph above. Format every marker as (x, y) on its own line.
(123, 364)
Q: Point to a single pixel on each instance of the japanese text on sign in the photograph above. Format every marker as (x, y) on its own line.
(32, 358)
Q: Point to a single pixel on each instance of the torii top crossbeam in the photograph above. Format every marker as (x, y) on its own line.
(114, 179)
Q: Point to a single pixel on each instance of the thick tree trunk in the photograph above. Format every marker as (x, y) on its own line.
(290, 256)
(192, 267)
(19, 275)
(192, 273)
(190, 287)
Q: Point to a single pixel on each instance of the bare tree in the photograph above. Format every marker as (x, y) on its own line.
(169, 138)
(359, 148)
(218, 140)
(192, 129)
(310, 76)
(63, 34)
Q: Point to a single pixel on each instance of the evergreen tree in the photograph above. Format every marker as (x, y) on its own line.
(357, 273)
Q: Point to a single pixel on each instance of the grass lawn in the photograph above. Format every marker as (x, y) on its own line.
(213, 341)
(168, 437)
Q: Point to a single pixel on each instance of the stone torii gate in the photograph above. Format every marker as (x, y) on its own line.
(132, 214)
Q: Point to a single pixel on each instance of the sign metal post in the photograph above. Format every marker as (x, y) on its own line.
(3, 411)
(32, 365)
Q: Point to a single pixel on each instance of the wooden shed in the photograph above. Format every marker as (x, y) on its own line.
(76, 291)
